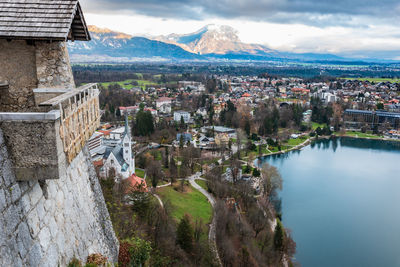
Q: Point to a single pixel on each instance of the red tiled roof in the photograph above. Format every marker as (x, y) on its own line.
(134, 182)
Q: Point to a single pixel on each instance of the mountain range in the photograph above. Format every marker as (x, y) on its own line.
(210, 43)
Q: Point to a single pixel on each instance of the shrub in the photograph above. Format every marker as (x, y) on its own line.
(75, 263)
(134, 252)
(96, 260)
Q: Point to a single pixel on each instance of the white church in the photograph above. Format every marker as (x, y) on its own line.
(120, 157)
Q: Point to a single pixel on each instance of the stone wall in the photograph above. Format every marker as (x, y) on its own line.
(53, 68)
(26, 66)
(47, 223)
(18, 68)
(35, 158)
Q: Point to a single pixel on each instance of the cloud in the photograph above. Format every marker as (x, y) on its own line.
(311, 12)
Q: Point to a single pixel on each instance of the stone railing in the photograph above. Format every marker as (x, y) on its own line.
(80, 117)
(42, 144)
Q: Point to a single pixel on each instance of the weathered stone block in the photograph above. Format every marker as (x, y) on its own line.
(34, 149)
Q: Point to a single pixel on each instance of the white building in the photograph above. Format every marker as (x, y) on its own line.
(120, 157)
(163, 100)
(182, 114)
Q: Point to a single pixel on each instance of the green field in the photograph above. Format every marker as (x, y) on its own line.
(376, 80)
(362, 135)
(127, 84)
(315, 125)
(139, 172)
(297, 141)
(192, 202)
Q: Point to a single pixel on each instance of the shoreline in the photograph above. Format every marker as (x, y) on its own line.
(309, 140)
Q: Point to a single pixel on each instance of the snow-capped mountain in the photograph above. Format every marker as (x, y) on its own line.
(111, 46)
(215, 39)
(210, 43)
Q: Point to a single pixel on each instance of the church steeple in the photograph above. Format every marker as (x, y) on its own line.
(127, 147)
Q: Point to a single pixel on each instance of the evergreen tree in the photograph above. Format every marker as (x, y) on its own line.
(144, 124)
(184, 234)
(279, 236)
(182, 125)
(118, 113)
(247, 127)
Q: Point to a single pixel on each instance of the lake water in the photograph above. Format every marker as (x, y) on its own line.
(341, 200)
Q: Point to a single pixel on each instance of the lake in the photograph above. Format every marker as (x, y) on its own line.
(341, 199)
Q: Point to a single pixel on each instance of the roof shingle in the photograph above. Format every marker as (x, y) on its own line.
(42, 20)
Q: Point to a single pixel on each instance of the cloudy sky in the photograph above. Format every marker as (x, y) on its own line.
(358, 28)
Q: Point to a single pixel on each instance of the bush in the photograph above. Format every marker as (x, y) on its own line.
(75, 263)
(134, 252)
(96, 260)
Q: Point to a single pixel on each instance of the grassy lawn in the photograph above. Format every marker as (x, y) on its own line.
(139, 173)
(362, 135)
(192, 202)
(316, 125)
(297, 141)
(377, 80)
(202, 183)
(127, 84)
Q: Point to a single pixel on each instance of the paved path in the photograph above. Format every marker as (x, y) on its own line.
(159, 200)
(212, 236)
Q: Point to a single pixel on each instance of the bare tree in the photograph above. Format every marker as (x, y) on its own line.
(154, 172)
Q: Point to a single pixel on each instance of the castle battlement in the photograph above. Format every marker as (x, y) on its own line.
(41, 144)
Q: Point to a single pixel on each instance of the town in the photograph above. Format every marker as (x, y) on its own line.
(174, 137)
(256, 115)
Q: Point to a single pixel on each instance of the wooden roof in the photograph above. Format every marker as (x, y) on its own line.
(58, 20)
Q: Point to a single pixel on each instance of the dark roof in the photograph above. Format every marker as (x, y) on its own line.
(118, 153)
(58, 20)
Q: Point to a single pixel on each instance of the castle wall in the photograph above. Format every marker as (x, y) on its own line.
(18, 68)
(53, 68)
(26, 66)
(48, 223)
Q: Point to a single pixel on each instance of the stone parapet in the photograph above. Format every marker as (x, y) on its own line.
(34, 143)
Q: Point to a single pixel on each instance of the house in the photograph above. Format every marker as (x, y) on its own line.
(135, 183)
(202, 112)
(187, 137)
(165, 108)
(182, 114)
(163, 101)
(205, 141)
(222, 139)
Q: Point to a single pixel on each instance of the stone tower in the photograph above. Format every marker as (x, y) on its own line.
(51, 204)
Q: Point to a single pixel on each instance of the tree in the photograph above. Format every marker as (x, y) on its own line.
(143, 125)
(380, 106)
(257, 220)
(247, 127)
(182, 123)
(118, 113)
(256, 172)
(154, 172)
(279, 236)
(184, 234)
(173, 170)
(181, 141)
(139, 251)
(139, 199)
(166, 159)
(271, 182)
